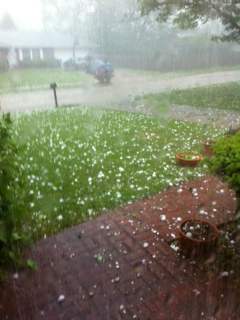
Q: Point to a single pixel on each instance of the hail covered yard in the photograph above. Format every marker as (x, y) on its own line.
(93, 199)
(81, 161)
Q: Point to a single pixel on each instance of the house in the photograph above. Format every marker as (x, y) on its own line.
(19, 46)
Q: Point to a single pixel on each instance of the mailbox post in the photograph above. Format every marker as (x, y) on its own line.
(54, 86)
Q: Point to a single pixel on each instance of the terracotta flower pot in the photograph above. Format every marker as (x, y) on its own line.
(194, 246)
(208, 148)
(188, 158)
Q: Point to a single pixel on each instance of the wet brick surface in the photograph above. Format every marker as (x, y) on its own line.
(122, 266)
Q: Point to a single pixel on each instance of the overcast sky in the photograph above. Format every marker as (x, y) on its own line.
(25, 13)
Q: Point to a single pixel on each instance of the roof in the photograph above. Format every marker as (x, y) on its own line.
(32, 39)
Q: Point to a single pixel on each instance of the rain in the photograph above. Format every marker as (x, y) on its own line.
(119, 159)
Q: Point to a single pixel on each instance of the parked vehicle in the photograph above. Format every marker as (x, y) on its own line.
(103, 71)
(79, 64)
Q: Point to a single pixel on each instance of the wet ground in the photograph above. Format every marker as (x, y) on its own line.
(122, 266)
(119, 95)
(124, 85)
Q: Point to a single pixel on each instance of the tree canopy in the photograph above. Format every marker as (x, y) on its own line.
(189, 14)
(7, 23)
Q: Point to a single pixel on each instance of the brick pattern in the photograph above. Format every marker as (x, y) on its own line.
(122, 266)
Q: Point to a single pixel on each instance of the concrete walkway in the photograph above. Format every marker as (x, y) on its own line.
(121, 266)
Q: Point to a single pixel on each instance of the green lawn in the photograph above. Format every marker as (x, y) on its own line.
(152, 73)
(81, 161)
(39, 79)
(223, 96)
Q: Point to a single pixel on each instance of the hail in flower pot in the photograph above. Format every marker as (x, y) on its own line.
(188, 158)
(197, 238)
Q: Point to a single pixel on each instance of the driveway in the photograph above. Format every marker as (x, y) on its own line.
(124, 86)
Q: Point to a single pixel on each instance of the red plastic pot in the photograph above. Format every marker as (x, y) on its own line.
(197, 248)
(208, 148)
(188, 162)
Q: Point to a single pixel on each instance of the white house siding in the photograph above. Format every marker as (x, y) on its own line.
(41, 54)
(59, 54)
(65, 54)
(33, 55)
(81, 53)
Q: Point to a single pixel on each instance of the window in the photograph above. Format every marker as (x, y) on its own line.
(48, 53)
(26, 54)
(36, 54)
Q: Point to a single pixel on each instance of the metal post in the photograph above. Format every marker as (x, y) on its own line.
(54, 86)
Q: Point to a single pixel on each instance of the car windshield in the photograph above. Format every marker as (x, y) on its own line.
(119, 159)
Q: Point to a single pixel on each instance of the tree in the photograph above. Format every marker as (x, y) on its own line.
(44, 13)
(120, 30)
(189, 14)
(107, 25)
(68, 17)
(7, 23)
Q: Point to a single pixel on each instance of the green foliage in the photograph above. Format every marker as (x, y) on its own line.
(11, 195)
(226, 161)
(50, 63)
(32, 264)
(188, 14)
(3, 66)
(99, 258)
(237, 216)
(7, 23)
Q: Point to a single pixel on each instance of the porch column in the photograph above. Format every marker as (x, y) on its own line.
(41, 54)
(20, 54)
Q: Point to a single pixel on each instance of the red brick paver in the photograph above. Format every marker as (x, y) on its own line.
(122, 267)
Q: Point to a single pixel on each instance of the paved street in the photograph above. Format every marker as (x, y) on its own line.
(122, 87)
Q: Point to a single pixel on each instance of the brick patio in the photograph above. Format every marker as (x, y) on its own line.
(121, 266)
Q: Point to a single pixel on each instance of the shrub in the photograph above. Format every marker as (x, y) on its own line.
(226, 162)
(12, 208)
(50, 63)
(3, 66)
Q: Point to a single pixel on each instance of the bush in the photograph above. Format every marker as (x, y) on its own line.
(12, 207)
(226, 162)
(50, 63)
(3, 66)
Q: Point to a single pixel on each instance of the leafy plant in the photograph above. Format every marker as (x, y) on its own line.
(226, 162)
(11, 195)
(32, 264)
(188, 14)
